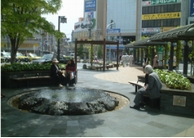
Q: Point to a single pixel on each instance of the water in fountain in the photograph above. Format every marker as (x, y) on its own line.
(77, 101)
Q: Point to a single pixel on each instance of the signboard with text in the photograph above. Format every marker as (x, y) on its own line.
(192, 8)
(150, 30)
(156, 2)
(161, 16)
(115, 30)
(90, 6)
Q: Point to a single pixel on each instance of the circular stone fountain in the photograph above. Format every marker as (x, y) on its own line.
(55, 101)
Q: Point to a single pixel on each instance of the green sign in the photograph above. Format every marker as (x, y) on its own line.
(160, 49)
(155, 2)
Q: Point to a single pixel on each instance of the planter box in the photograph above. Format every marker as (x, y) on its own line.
(177, 101)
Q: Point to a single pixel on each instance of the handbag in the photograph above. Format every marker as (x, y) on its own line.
(71, 75)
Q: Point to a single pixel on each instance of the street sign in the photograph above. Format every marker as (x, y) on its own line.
(115, 30)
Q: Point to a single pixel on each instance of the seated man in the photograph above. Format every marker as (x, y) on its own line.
(152, 89)
(71, 72)
(56, 74)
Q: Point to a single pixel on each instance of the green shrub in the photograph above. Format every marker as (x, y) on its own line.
(27, 67)
(174, 80)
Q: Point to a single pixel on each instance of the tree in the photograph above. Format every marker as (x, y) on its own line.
(80, 50)
(21, 19)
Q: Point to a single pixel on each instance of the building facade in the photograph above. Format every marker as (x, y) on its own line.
(163, 15)
(110, 19)
(40, 43)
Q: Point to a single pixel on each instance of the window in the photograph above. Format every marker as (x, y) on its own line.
(161, 8)
(177, 8)
(161, 23)
(157, 9)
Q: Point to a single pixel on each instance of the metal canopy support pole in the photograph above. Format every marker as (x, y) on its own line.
(138, 55)
(142, 51)
(153, 54)
(104, 45)
(171, 57)
(75, 55)
(117, 55)
(186, 53)
(58, 45)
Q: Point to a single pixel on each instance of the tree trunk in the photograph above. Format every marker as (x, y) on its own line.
(14, 48)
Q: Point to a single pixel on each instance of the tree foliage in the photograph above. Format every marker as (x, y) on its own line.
(80, 51)
(21, 19)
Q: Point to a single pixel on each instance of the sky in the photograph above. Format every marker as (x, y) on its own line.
(72, 10)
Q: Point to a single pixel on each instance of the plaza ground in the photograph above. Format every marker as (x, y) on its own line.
(118, 123)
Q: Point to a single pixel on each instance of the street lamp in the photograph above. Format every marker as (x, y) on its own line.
(110, 24)
(61, 19)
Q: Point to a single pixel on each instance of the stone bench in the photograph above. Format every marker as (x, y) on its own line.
(26, 81)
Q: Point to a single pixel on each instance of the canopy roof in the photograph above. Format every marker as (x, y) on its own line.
(144, 43)
(182, 33)
(97, 42)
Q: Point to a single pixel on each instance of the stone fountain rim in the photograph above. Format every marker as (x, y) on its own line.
(31, 90)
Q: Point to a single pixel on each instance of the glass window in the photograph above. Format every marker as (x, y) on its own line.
(165, 8)
(157, 23)
(144, 10)
(152, 9)
(149, 10)
(157, 9)
(177, 7)
(151, 24)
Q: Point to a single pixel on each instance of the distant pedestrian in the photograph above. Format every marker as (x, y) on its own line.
(131, 60)
(155, 62)
(145, 60)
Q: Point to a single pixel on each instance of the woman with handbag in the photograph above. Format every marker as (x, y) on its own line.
(71, 72)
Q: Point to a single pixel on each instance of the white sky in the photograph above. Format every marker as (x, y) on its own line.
(72, 10)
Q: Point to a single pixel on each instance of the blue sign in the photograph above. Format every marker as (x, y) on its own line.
(115, 30)
(90, 6)
(115, 47)
(192, 8)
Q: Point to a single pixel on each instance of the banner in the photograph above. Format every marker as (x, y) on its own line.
(161, 16)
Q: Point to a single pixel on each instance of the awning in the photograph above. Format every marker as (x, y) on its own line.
(182, 33)
(144, 43)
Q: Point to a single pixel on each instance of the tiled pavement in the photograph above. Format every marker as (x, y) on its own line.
(118, 123)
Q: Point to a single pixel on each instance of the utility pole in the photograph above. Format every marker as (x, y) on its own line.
(90, 36)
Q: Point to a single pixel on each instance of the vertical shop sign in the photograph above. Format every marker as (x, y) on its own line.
(90, 6)
(192, 8)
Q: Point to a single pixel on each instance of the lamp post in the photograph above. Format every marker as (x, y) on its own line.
(110, 24)
(61, 19)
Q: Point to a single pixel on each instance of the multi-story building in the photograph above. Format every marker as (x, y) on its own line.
(191, 12)
(109, 19)
(38, 44)
(163, 15)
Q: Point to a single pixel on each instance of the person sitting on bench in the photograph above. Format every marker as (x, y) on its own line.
(146, 77)
(152, 89)
(56, 74)
(70, 72)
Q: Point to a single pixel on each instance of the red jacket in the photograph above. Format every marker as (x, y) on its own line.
(70, 68)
